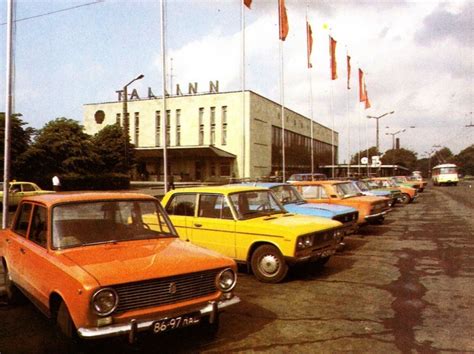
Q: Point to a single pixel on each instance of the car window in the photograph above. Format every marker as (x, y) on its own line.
(28, 188)
(23, 220)
(181, 204)
(38, 229)
(214, 206)
(253, 204)
(310, 192)
(322, 193)
(15, 188)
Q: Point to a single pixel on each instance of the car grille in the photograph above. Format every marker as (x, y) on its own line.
(162, 291)
(345, 218)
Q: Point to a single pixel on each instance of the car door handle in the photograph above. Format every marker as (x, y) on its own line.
(22, 250)
(198, 225)
(7, 240)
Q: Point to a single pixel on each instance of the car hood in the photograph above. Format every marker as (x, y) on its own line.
(124, 262)
(284, 225)
(364, 199)
(319, 209)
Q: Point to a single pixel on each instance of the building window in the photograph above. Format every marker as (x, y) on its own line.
(225, 168)
(157, 128)
(137, 127)
(117, 118)
(213, 169)
(201, 126)
(224, 125)
(213, 125)
(178, 127)
(168, 127)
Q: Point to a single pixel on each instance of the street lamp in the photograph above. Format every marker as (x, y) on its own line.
(126, 121)
(377, 119)
(393, 137)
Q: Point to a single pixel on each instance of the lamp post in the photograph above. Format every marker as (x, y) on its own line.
(393, 137)
(126, 121)
(377, 126)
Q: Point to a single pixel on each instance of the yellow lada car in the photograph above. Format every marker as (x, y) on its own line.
(249, 225)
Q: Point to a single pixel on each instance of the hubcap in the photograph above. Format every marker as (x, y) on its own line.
(269, 264)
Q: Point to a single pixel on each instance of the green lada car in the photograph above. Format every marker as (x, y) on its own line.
(249, 225)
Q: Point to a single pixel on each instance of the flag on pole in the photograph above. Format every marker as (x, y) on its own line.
(309, 43)
(362, 88)
(284, 27)
(348, 72)
(332, 53)
(248, 3)
(367, 101)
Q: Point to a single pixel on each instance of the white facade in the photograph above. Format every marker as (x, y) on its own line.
(206, 135)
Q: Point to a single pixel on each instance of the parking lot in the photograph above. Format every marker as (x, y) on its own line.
(404, 286)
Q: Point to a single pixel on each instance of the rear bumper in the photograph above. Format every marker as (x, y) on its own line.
(131, 328)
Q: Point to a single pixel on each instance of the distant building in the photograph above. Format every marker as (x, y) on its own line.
(204, 134)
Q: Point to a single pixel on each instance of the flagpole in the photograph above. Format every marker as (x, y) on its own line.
(282, 113)
(164, 116)
(310, 88)
(348, 115)
(331, 108)
(242, 16)
(8, 111)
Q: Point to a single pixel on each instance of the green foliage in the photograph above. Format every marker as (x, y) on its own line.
(402, 157)
(465, 160)
(110, 145)
(355, 160)
(443, 155)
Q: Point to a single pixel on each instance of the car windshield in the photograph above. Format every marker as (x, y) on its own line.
(89, 223)
(287, 195)
(346, 190)
(448, 170)
(362, 186)
(252, 204)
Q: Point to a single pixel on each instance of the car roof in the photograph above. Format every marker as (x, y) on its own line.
(226, 189)
(302, 183)
(67, 197)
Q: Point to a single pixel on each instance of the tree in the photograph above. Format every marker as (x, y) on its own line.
(61, 147)
(402, 157)
(443, 155)
(19, 142)
(465, 160)
(355, 160)
(109, 145)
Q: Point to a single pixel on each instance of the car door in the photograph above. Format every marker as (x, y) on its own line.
(16, 246)
(15, 194)
(181, 209)
(213, 226)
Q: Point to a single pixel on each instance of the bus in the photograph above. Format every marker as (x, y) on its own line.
(445, 174)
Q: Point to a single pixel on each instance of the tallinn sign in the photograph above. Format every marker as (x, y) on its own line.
(192, 90)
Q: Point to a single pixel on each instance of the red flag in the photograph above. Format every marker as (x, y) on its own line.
(248, 3)
(332, 54)
(309, 42)
(284, 27)
(367, 102)
(348, 72)
(362, 88)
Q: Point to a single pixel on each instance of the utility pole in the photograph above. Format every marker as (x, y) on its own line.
(377, 127)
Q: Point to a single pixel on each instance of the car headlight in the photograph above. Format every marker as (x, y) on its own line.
(338, 234)
(304, 242)
(104, 301)
(226, 280)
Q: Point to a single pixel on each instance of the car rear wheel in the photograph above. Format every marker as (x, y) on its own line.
(405, 198)
(268, 264)
(14, 295)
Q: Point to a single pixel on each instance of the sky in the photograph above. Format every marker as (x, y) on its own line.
(417, 56)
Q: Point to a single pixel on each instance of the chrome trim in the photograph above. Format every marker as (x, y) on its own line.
(373, 216)
(218, 280)
(136, 325)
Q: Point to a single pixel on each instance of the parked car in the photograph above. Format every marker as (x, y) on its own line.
(19, 190)
(363, 187)
(408, 194)
(371, 209)
(307, 177)
(404, 181)
(292, 200)
(91, 262)
(249, 225)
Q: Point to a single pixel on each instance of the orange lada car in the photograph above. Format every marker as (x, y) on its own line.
(371, 209)
(409, 194)
(90, 262)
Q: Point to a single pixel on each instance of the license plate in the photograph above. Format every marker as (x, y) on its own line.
(174, 323)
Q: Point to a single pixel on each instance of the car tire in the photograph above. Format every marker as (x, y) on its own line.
(13, 294)
(64, 322)
(268, 264)
(405, 198)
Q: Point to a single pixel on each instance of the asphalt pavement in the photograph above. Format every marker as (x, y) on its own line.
(404, 286)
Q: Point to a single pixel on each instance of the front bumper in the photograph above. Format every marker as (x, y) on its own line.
(313, 255)
(131, 328)
(378, 216)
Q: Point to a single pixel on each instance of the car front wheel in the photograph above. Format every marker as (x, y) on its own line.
(64, 322)
(405, 198)
(14, 296)
(268, 264)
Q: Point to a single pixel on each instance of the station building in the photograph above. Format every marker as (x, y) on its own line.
(205, 135)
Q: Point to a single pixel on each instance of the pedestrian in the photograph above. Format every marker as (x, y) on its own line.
(56, 184)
